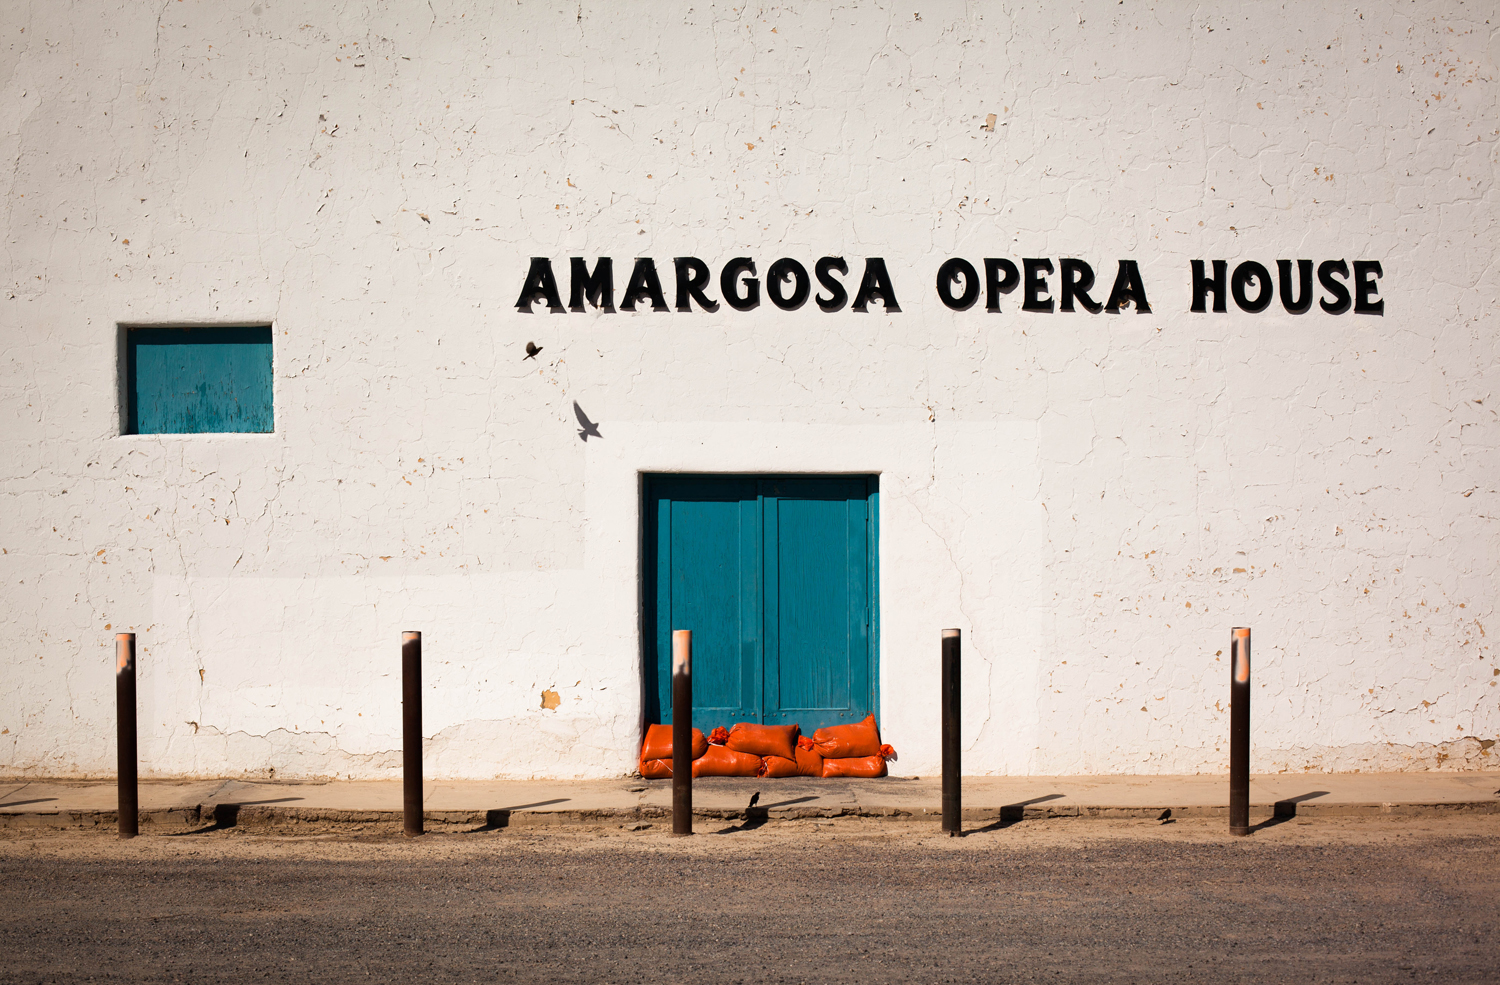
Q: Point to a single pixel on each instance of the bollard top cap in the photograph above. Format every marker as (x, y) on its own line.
(1241, 632)
(411, 634)
(124, 652)
(950, 633)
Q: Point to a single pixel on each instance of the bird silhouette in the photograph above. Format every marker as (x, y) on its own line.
(589, 427)
(754, 799)
(531, 350)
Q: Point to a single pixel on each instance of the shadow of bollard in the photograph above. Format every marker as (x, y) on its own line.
(1285, 810)
(499, 818)
(1015, 813)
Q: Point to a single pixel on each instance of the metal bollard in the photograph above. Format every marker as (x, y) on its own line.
(952, 786)
(411, 734)
(1239, 731)
(129, 806)
(682, 732)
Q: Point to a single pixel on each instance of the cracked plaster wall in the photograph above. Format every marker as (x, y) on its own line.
(1094, 499)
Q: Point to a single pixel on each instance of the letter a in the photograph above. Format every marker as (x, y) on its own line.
(1128, 288)
(540, 286)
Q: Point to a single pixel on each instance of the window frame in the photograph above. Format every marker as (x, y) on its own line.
(126, 370)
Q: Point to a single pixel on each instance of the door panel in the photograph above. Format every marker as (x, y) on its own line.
(775, 578)
(707, 539)
(815, 559)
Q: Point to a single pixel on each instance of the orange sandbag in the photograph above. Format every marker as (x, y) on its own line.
(656, 769)
(807, 763)
(719, 735)
(719, 761)
(777, 766)
(864, 766)
(763, 740)
(658, 744)
(848, 741)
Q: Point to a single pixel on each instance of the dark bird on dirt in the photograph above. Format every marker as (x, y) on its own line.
(589, 427)
(754, 799)
(531, 350)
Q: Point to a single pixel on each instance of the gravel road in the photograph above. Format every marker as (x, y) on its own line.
(856, 900)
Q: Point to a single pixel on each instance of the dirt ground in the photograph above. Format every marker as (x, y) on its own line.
(850, 900)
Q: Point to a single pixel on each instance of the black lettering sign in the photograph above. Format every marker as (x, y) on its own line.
(1077, 278)
(1245, 274)
(1202, 285)
(837, 296)
(781, 271)
(1301, 302)
(1365, 272)
(729, 285)
(644, 285)
(1036, 285)
(540, 285)
(692, 278)
(954, 269)
(1000, 277)
(1338, 291)
(1128, 289)
(598, 288)
(875, 286)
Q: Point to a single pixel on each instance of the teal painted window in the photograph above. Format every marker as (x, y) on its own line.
(776, 577)
(198, 380)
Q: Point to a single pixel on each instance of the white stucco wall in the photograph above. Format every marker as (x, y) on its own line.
(1094, 499)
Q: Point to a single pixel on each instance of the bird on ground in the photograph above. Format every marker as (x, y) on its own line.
(589, 427)
(531, 350)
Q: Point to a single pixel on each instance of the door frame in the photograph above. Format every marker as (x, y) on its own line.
(646, 575)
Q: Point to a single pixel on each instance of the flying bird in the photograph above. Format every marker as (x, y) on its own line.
(531, 350)
(589, 427)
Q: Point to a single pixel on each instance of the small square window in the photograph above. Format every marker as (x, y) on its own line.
(198, 380)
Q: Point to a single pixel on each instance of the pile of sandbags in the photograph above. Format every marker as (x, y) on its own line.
(772, 750)
(656, 751)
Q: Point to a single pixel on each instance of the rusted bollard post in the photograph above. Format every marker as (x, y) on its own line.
(952, 787)
(1239, 731)
(411, 733)
(682, 732)
(128, 799)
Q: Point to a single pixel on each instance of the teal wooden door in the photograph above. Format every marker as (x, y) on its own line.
(775, 576)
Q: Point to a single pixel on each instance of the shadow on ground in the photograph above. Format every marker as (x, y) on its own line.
(1012, 814)
(227, 816)
(756, 815)
(1285, 810)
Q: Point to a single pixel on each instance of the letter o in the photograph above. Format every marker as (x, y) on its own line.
(1243, 274)
(947, 273)
(776, 276)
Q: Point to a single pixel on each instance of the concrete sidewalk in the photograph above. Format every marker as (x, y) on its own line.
(502, 803)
